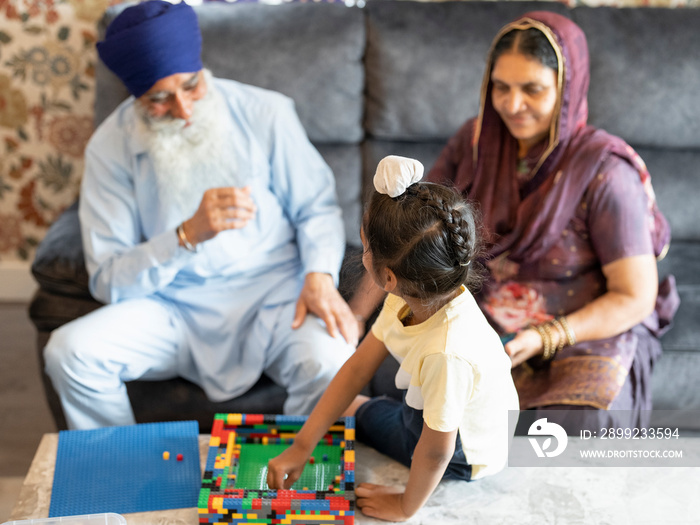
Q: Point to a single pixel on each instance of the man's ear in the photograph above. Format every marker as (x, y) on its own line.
(390, 281)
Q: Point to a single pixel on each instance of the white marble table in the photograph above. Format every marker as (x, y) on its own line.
(527, 495)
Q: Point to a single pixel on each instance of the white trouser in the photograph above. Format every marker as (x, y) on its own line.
(90, 359)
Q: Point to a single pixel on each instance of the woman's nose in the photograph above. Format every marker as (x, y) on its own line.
(515, 101)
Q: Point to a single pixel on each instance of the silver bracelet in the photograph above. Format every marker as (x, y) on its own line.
(183, 239)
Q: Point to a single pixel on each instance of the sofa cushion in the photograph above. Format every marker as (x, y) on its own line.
(675, 177)
(48, 309)
(344, 160)
(425, 63)
(59, 264)
(672, 385)
(682, 261)
(178, 399)
(311, 53)
(641, 78)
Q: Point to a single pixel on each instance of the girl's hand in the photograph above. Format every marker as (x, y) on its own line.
(379, 501)
(526, 344)
(286, 468)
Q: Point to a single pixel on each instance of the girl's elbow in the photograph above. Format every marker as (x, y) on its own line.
(440, 458)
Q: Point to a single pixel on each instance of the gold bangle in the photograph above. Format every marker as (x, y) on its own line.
(548, 356)
(183, 239)
(546, 341)
(562, 334)
(570, 335)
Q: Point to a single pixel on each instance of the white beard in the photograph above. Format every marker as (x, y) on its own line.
(190, 160)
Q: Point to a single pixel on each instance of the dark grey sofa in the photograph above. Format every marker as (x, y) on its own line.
(400, 78)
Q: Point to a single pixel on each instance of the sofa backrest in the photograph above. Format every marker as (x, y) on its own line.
(645, 78)
(644, 74)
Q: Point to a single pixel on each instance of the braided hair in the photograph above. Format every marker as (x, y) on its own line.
(428, 236)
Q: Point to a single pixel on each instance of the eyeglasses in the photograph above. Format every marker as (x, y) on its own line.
(158, 99)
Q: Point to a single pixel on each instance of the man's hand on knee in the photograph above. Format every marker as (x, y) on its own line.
(319, 296)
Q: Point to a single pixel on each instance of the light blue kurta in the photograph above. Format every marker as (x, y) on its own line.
(132, 251)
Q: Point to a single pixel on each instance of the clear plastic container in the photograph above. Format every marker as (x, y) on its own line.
(108, 518)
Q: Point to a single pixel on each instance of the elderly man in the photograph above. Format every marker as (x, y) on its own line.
(211, 229)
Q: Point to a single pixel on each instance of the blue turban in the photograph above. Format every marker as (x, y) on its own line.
(151, 41)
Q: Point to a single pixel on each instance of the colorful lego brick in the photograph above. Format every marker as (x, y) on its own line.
(234, 484)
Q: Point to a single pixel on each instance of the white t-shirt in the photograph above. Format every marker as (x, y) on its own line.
(455, 369)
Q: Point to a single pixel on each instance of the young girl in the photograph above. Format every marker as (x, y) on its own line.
(420, 243)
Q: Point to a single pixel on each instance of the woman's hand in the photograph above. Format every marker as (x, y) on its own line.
(379, 501)
(286, 468)
(525, 345)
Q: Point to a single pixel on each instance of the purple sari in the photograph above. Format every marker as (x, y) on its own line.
(582, 199)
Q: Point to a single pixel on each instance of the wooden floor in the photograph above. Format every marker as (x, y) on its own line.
(24, 414)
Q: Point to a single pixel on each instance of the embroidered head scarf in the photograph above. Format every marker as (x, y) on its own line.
(570, 158)
(150, 41)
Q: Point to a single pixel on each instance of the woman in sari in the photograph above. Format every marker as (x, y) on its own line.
(572, 228)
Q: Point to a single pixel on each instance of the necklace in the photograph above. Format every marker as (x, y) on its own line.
(523, 170)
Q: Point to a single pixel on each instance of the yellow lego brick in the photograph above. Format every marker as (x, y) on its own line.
(350, 433)
(214, 441)
(297, 518)
(234, 419)
(349, 456)
(229, 448)
(336, 428)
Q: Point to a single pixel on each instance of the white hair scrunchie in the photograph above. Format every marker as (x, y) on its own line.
(395, 174)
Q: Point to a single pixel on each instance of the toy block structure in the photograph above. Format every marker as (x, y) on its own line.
(234, 484)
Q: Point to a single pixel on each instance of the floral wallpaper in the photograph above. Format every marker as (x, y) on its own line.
(47, 63)
(47, 66)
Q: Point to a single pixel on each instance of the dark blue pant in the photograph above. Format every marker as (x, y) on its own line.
(393, 428)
